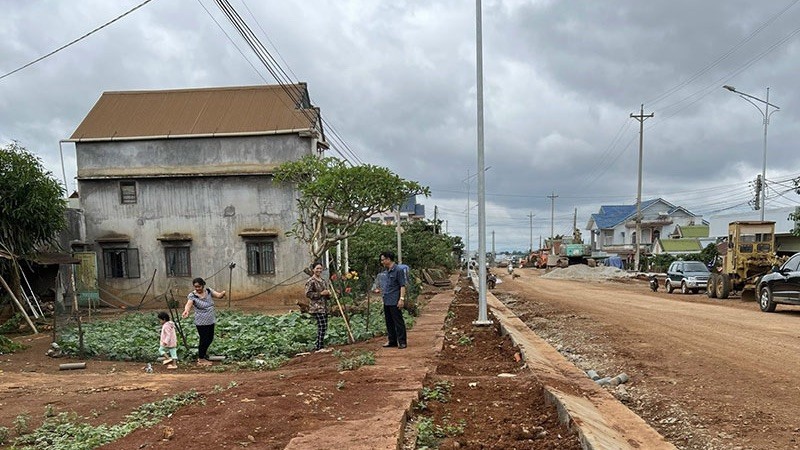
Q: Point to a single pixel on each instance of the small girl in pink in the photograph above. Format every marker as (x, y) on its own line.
(169, 341)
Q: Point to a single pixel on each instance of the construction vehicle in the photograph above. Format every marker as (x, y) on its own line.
(573, 251)
(750, 254)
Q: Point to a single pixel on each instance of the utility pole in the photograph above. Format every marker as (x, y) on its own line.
(467, 235)
(552, 198)
(530, 216)
(493, 253)
(641, 117)
(435, 219)
(399, 231)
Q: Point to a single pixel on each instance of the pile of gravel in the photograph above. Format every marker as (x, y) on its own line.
(584, 272)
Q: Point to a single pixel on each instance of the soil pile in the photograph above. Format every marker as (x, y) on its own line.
(584, 272)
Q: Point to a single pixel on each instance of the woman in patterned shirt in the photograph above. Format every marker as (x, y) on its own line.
(318, 294)
(202, 298)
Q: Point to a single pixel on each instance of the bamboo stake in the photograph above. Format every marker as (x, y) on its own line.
(344, 316)
(28, 319)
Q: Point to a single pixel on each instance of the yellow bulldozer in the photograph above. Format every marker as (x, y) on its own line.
(750, 254)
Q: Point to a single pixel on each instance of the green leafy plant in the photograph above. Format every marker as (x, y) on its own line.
(354, 362)
(12, 324)
(49, 410)
(3, 435)
(464, 340)
(340, 385)
(22, 423)
(429, 433)
(239, 336)
(66, 432)
(440, 392)
(9, 346)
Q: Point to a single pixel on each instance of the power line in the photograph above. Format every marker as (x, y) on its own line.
(291, 88)
(724, 56)
(75, 40)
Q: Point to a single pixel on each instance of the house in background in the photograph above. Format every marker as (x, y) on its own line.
(613, 228)
(786, 242)
(685, 239)
(178, 184)
(410, 211)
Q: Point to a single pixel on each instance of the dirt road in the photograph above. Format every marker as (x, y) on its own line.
(707, 374)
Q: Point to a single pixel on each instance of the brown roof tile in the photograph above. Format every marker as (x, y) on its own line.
(198, 112)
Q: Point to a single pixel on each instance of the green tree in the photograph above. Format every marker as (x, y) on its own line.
(335, 200)
(422, 247)
(31, 207)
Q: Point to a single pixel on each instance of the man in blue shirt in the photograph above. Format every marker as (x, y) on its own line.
(393, 290)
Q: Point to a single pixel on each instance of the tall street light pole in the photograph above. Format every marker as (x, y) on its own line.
(765, 113)
(483, 316)
(467, 181)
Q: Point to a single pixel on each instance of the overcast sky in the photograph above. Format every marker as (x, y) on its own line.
(397, 81)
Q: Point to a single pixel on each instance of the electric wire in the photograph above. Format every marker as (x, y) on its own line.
(654, 101)
(74, 41)
(275, 69)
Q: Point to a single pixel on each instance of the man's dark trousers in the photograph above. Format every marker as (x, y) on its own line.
(395, 325)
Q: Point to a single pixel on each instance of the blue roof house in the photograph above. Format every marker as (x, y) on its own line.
(613, 228)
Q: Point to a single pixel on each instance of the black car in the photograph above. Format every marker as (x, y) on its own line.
(782, 285)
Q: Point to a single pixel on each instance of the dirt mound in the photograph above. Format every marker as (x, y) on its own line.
(584, 272)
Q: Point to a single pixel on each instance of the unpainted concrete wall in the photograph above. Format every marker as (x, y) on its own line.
(213, 210)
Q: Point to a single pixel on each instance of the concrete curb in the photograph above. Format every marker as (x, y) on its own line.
(601, 421)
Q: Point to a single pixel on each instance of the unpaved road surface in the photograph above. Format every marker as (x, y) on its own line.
(707, 374)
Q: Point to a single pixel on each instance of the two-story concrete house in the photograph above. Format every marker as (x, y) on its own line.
(178, 184)
(613, 228)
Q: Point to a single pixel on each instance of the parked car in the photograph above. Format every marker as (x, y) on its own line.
(782, 285)
(689, 276)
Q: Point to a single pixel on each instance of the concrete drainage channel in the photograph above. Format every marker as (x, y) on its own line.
(600, 420)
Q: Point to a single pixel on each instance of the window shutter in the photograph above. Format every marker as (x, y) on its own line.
(133, 263)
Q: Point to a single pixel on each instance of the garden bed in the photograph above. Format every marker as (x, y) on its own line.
(482, 395)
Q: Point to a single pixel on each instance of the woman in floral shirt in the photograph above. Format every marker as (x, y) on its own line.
(318, 295)
(202, 298)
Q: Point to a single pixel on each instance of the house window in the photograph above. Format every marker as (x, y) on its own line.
(178, 261)
(121, 262)
(260, 257)
(127, 192)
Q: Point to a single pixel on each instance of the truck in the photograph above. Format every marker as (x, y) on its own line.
(749, 255)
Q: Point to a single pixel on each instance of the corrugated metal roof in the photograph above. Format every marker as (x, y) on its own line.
(681, 245)
(198, 112)
(612, 215)
(693, 231)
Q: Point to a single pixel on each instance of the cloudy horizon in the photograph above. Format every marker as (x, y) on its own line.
(397, 82)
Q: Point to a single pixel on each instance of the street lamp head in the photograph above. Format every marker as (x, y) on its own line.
(729, 87)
